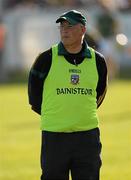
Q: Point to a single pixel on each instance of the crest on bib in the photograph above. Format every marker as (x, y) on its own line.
(74, 79)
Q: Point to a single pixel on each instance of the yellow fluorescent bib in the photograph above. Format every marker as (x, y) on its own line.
(69, 95)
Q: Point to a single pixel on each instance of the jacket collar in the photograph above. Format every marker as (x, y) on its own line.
(85, 53)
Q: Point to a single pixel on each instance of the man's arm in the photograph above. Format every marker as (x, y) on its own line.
(102, 81)
(37, 76)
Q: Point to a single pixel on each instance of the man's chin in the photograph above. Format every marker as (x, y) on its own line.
(66, 42)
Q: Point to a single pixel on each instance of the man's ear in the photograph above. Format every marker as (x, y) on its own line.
(84, 29)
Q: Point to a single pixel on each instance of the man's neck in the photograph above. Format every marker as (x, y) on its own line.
(73, 49)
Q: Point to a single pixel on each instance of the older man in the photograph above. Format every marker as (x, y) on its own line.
(67, 84)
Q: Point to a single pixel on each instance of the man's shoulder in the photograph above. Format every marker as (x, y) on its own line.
(42, 58)
(100, 63)
(99, 55)
(44, 54)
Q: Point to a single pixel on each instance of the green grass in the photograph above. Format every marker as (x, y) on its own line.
(20, 134)
(115, 124)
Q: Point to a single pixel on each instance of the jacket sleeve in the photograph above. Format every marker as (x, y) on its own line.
(37, 76)
(102, 81)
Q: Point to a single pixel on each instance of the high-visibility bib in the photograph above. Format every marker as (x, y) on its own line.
(69, 95)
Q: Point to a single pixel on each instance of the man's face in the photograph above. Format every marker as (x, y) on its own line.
(71, 34)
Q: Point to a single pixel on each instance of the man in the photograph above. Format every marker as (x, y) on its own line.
(67, 84)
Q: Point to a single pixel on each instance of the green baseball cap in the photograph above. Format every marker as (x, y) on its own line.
(73, 17)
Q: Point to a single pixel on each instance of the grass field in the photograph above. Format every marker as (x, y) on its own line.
(20, 134)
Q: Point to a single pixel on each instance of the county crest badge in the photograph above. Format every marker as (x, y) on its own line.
(74, 79)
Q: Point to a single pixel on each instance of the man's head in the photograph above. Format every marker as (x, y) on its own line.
(72, 27)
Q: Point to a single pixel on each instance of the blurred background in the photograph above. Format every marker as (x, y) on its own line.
(27, 28)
